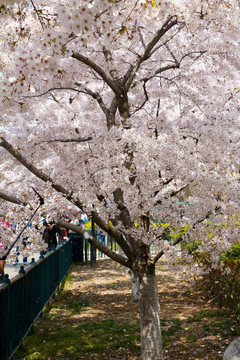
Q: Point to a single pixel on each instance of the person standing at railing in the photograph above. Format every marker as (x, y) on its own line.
(2, 264)
(64, 230)
(50, 234)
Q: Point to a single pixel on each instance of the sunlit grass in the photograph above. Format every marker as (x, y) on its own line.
(49, 341)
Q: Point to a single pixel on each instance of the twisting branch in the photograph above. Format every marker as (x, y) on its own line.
(160, 70)
(175, 65)
(198, 53)
(160, 254)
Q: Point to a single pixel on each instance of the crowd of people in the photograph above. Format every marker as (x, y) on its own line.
(52, 234)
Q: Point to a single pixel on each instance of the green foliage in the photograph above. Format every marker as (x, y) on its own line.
(234, 253)
(192, 247)
(173, 326)
(195, 318)
(35, 356)
(191, 338)
(222, 284)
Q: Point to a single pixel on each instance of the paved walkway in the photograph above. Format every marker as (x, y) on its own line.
(13, 269)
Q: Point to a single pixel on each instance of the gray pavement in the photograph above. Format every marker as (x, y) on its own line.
(12, 269)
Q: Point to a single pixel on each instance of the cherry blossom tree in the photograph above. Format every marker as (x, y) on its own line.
(129, 112)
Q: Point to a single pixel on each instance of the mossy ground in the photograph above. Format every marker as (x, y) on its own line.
(93, 318)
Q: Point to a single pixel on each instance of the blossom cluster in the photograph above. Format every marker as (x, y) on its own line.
(174, 160)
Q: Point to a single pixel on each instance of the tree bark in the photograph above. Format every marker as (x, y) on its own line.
(135, 287)
(149, 311)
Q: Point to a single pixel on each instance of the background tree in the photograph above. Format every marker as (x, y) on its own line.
(128, 111)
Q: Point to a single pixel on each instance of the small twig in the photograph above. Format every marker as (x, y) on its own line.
(36, 11)
(78, 140)
(141, 37)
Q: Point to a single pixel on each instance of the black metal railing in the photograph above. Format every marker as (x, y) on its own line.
(24, 297)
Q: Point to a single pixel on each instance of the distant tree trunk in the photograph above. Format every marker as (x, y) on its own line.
(149, 311)
(135, 287)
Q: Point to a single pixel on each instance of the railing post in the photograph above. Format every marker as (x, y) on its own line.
(93, 249)
(33, 263)
(6, 279)
(21, 271)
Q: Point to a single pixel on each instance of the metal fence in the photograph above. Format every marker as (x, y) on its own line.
(23, 299)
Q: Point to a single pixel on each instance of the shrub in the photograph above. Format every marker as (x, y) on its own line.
(234, 253)
(222, 285)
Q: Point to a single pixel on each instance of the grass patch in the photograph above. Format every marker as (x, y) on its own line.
(68, 302)
(207, 314)
(191, 338)
(173, 326)
(49, 341)
(76, 342)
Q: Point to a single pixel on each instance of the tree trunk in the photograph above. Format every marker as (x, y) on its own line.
(135, 287)
(149, 310)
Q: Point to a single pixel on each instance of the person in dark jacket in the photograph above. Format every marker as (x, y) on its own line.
(50, 234)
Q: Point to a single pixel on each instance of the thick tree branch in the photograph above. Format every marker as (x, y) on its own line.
(124, 213)
(173, 193)
(98, 70)
(92, 240)
(114, 233)
(12, 199)
(169, 23)
(33, 169)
